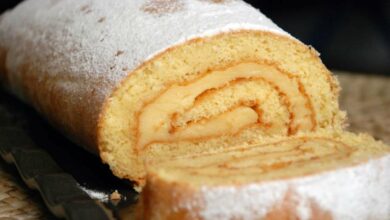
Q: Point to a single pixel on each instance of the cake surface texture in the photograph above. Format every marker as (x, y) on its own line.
(137, 80)
(327, 176)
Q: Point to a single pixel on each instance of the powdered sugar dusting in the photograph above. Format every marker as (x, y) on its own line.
(161, 7)
(360, 192)
(77, 41)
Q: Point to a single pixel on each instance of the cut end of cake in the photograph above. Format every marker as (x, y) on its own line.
(283, 158)
(286, 176)
(209, 93)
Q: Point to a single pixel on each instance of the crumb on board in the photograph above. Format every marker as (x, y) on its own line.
(137, 188)
(115, 195)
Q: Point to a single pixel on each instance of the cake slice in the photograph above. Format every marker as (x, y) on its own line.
(317, 176)
(135, 80)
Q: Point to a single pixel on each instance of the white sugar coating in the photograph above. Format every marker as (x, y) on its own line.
(97, 43)
(82, 49)
(359, 192)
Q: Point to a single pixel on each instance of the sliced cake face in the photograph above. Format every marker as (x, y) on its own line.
(327, 176)
(281, 159)
(233, 88)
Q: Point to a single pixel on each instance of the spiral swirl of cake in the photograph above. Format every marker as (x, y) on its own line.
(140, 79)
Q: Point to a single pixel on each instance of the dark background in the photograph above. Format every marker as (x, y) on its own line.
(351, 35)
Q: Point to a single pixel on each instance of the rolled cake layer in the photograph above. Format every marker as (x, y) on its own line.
(147, 79)
(317, 176)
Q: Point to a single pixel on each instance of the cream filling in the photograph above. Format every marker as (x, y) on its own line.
(155, 119)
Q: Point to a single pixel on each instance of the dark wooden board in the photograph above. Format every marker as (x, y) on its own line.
(72, 182)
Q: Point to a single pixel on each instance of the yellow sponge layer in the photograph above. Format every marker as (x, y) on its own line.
(280, 158)
(211, 93)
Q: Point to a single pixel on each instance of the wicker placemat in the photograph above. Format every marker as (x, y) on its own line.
(366, 99)
(16, 200)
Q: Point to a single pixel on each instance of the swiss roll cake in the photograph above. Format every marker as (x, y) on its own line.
(143, 80)
(325, 176)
